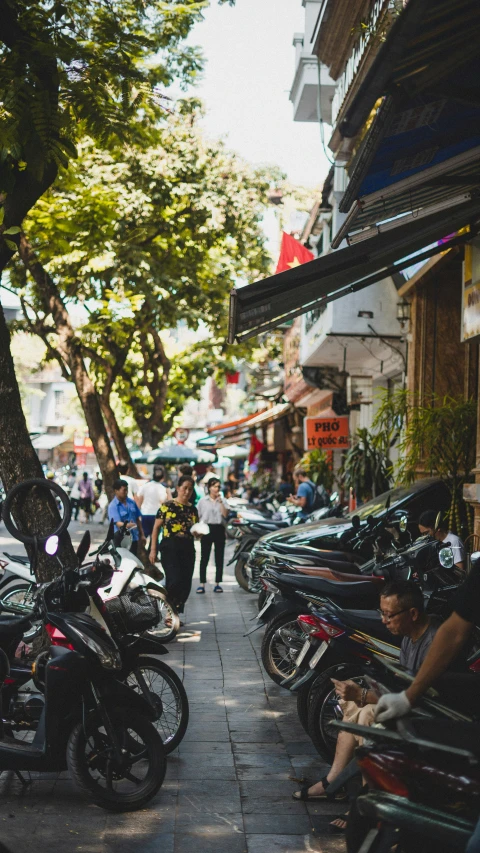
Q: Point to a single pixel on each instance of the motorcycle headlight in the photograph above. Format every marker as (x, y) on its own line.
(108, 656)
(445, 557)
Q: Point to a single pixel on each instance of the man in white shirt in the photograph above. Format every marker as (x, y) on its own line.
(150, 496)
(426, 524)
(132, 483)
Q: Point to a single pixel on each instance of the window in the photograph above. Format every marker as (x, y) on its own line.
(59, 404)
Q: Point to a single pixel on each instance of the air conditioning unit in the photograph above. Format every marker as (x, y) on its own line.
(359, 390)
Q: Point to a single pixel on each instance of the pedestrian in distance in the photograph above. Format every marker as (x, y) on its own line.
(151, 496)
(133, 485)
(212, 510)
(175, 518)
(87, 497)
(305, 497)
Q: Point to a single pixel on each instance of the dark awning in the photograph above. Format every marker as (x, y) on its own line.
(422, 150)
(265, 304)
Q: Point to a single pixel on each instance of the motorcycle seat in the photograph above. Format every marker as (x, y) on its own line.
(11, 624)
(16, 558)
(368, 621)
(321, 586)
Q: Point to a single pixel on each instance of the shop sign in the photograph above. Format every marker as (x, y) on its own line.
(331, 433)
(471, 292)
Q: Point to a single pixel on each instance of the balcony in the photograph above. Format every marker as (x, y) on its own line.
(359, 333)
(304, 91)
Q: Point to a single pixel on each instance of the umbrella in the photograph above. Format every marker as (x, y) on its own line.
(233, 451)
(175, 454)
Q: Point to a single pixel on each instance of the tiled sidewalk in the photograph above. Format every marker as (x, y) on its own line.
(228, 786)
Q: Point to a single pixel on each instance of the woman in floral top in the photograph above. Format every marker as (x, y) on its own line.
(177, 549)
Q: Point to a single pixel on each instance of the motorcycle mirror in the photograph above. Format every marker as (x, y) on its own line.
(110, 532)
(84, 547)
(403, 524)
(371, 521)
(51, 545)
(356, 522)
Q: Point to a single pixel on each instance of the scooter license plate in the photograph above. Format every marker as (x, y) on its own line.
(303, 652)
(267, 604)
(318, 654)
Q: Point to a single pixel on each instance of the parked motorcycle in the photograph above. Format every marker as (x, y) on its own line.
(87, 720)
(247, 528)
(124, 605)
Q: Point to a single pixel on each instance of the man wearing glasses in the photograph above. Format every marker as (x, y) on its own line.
(402, 610)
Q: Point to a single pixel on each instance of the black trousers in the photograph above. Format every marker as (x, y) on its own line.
(178, 561)
(216, 537)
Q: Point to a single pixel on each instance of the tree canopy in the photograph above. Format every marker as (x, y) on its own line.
(140, 238)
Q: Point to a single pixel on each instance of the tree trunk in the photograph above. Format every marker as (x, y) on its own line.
(18, 462)
(70, 350)
(118, 437)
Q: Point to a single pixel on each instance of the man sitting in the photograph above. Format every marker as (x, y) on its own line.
(426, 524)
(403, 612)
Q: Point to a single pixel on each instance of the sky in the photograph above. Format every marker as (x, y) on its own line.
(246, 83)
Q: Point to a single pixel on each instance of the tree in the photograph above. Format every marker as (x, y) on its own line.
(142, 238)
(67, 69)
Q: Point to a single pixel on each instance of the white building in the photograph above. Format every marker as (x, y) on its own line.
(358, 336)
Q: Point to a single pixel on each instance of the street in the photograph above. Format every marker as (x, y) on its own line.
(228, 786)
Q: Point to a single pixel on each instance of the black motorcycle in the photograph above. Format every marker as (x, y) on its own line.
(87, 720)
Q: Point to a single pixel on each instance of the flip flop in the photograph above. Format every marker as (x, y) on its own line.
(338, 830)
(200, 590)
(304, 796)
(217, 588)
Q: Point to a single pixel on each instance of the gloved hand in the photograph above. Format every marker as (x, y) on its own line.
(392, 705)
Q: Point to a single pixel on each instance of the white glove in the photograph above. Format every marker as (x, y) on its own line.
(392, 705)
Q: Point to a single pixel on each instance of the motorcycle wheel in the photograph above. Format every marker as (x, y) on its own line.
(358, 828)
(324, 707)
(240, 574)
(118, 787)
(169, 624)
(19, 594)
(304, 698)
(281, 645)
(167, 693)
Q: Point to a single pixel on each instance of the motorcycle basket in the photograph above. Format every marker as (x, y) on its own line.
(133, 612)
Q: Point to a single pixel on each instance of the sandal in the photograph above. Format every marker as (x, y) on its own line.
(217, 588)
(334, 828)
(200, 590)
(304, 796)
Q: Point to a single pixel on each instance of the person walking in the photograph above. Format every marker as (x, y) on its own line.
(85, 488)
(123, 509)
(175, 518)
(212, 509)
(150, 497)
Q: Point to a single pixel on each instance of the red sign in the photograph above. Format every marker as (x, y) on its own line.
(181, 435)
(329, 433)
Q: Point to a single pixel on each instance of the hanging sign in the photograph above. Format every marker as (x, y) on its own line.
(181, 435)
(330, 433)
(471, 292)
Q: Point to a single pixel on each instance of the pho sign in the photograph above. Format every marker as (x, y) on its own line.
(330, 433)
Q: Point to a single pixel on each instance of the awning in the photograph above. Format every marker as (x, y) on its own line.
(265, 304)
(49, 441)
(422, 150)
(230, 425)
(273, 414)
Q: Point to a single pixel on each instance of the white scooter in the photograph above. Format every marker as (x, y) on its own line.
(18, 586)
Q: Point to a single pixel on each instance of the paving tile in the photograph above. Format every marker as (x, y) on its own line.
(285, 824)
(233, 842)
(282, 844)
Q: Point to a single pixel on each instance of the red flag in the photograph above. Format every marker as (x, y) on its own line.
(256, 447)
(232, 378)
(292, 254)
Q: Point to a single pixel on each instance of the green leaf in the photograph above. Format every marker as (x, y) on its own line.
(2, 214)
(11, 245)
(14, 229)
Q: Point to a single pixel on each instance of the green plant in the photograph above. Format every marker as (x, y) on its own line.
(441, 440)
(366, 467)
(318, 466)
